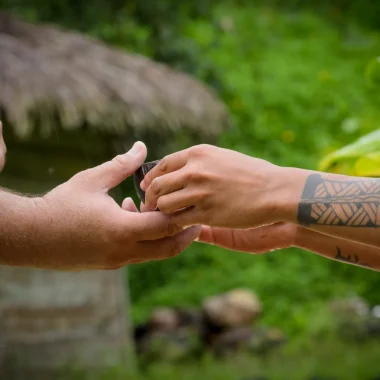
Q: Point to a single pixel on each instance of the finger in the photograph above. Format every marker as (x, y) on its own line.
(112, 173)
(164, 185)
(144, 208)
(190, 216)
(174, 202)
(167, 165)
(129, 205)
(170, 246)
(149, 226)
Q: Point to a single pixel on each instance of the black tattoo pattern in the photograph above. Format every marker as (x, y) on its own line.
(353, 203)
(348, 259)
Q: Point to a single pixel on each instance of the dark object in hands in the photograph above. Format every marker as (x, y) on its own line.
(139, 175)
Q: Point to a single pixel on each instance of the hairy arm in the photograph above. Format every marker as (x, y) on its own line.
(335, 205)
(17, 229)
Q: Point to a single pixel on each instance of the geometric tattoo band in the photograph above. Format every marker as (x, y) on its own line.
(350, 203)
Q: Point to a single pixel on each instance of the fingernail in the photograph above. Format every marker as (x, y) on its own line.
(142, 185)
(136, 149)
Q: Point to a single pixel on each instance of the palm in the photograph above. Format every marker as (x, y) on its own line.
(257, 240)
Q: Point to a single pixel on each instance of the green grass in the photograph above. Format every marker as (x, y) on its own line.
(329, 359)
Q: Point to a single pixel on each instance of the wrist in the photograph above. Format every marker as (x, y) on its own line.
(289, 184)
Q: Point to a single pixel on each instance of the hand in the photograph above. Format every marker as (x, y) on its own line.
(3, 148)
(216, 187)
(256, 240)
(79, 226)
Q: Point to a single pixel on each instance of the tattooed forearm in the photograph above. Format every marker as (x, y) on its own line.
(352, 260)
(350, 203)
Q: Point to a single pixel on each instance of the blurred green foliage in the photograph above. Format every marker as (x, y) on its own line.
(294, 82)
(361, 158)
(292, 75)
(318, 361)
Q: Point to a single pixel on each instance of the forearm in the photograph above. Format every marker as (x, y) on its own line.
(338, 249)
(341, 206)
(18, 227)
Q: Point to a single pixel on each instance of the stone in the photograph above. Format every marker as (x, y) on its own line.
(164, 319)
(238, 307)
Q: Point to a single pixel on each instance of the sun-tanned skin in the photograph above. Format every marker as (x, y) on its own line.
(248, 204)
(79, 226)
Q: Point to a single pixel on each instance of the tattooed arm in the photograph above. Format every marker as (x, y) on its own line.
(224, 189)
(341, 206)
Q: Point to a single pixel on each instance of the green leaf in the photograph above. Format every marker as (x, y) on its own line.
(368, 166)
(359, 158)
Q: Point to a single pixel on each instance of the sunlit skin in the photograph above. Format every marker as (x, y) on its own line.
(78, 226)
(248, 204)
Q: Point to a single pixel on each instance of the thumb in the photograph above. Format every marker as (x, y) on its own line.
(128, 205)
(112, 173)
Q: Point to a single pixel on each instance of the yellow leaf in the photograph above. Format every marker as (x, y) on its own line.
(368, 166)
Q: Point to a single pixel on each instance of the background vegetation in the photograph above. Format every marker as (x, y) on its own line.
(292, 75)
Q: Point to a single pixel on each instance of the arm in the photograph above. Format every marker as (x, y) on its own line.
(79, 226)
(284, 235)
(341, 206)
(342, 250)
(222, 188)
(17, 229)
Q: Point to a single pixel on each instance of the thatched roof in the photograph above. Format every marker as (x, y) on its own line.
(47, 72)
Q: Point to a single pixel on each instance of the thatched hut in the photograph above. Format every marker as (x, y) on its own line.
(69, 102)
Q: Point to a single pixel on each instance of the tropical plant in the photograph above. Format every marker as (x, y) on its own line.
(362, 157)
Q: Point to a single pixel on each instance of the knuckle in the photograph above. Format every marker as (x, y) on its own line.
(194, 174)
(119, 160)
(200, 150)
(148, 177)
(155, 186)
(163, 164)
